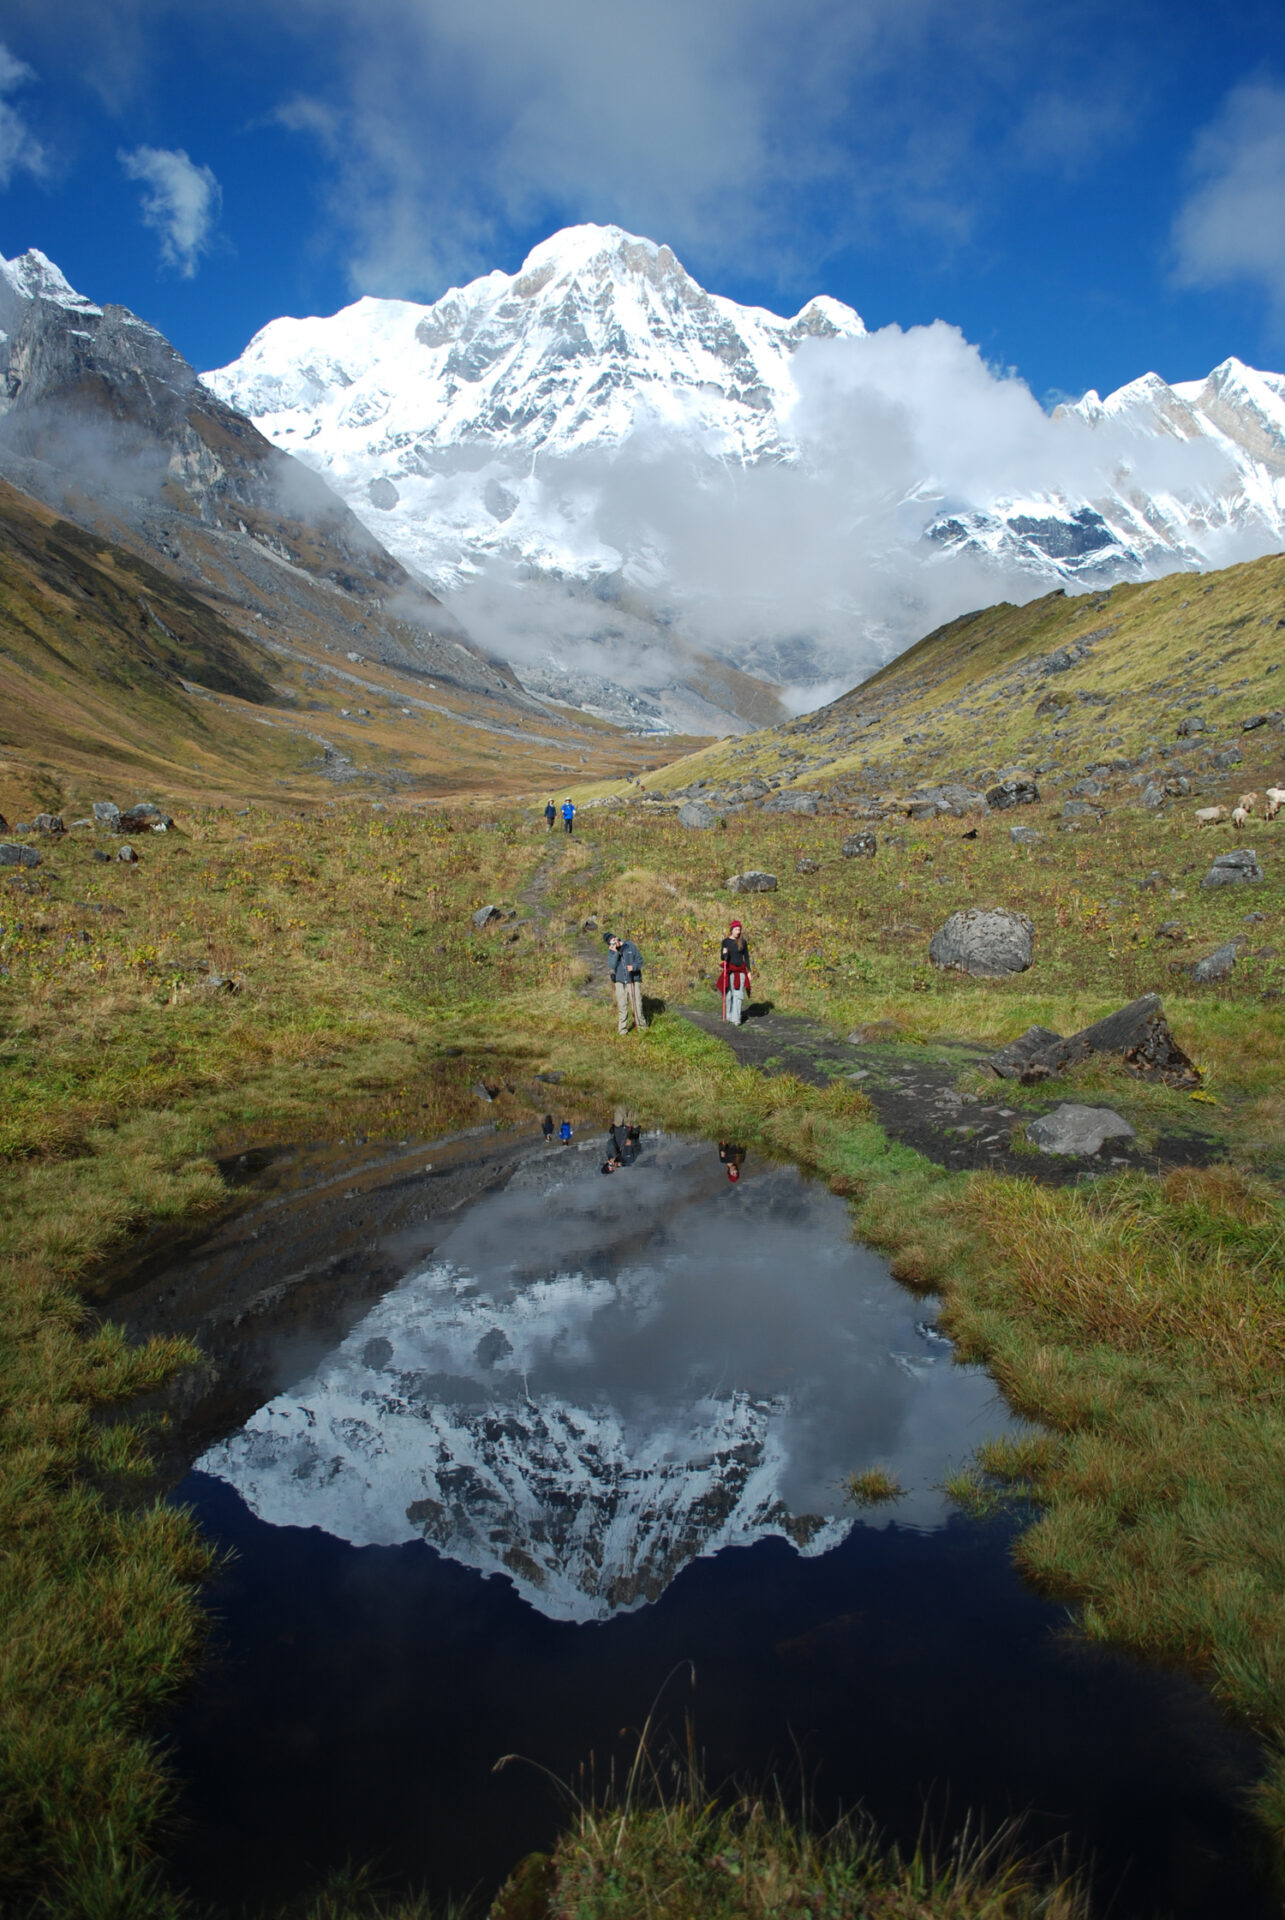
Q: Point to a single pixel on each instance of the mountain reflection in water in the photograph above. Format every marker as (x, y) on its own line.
(598, 1380)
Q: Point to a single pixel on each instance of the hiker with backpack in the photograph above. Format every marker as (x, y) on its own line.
(735, 980)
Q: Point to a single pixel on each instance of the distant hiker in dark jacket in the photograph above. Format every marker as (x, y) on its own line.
(734, 977)
(546, 1128)
(550, 815)
(733, 1158)
(568, 813)
(625, 969)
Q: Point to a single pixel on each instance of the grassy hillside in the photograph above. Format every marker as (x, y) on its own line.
(979, 695)
(116, 681)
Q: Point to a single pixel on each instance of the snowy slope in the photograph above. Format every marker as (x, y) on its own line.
(598, 420)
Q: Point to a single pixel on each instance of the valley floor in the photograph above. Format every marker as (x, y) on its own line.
(276, 977)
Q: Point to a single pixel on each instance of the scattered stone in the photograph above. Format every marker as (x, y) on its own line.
(987, 942)
(1073, 1129)
(1253, 919)
(1088, 789)
(1253, 721)
(1177, 786)
(1229, 757)
(752, 882)
(952, 798)
(486, 915)
(1171, 930)
(590, 925)
(804, 865)
(217, 983)
(143, 817)
(860, 846)
(1214, 966)
(1016, 791)
(695, 814)
(49, 823)
(1153, 796)
(12, 855)
(101, 853)
(551, 1079)
(127, 856)
(1080, 810)
(1024, 836)
(1153, 882)
(1190, 724)
(791, 802)
(482, 1092)
(106, 812)
(1138, 1034)
(1237, 867)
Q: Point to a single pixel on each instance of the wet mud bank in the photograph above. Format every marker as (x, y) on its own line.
(506, 1452)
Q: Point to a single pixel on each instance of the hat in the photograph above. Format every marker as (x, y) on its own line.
(735, 923)
(733, 1172)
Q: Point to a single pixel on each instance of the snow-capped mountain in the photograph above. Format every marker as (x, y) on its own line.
(595, 1382)
(596, 454)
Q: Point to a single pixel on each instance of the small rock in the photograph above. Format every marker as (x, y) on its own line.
(1253, 919)
(1254, 720)
(1153, 882)
(1016, 791)
(752, 882)
(106, 812)
(1080, 810)
(1214, 966)
(803, 865)
(1171, 930)
(49, 823)
(988, 943)
(1177, 785)
(101, 853)
(874, 1030)
(551, 1079)
(127, 856)
(486, 915)
(860, 846)
(482, 1092)
(1153, 796)
(1229, 757)
(1074, 1129)
(1024, 836)
(216, 983)
(12, 855)
(695, 814)
(1190, 724)
(590, 925)
(1239, 866)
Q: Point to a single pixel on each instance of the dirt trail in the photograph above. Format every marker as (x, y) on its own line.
(915, 1097)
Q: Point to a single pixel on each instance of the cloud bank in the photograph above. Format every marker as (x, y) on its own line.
(181, 202)
(19, 149)
(1231, 229)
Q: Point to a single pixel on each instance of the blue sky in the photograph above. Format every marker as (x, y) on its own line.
(1088, 191)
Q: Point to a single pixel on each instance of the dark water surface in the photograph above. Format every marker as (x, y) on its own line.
(601, 1434)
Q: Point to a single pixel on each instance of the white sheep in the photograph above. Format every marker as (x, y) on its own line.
(1210, 816)
(1239, 816)
(1275, 800)
(1248, 801)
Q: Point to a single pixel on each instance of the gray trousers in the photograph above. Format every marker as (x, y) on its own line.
(628, 997)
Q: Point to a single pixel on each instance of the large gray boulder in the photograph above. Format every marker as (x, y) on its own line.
(144, 817)
(951, 798)
(988, 942)
(791, 802)
(106, 812)
(1074, 1129)
(752, 882)
(50, 823)
(1217, 965)
(1238, 867)
(1024, 836)
(694, 813)
(12, 855)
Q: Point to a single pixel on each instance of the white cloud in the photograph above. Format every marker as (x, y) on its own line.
(1231, 229)
(19, 150)
(182, 202)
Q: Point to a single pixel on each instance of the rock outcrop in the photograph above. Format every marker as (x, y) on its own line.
(987, 942)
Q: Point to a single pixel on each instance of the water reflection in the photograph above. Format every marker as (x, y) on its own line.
(597, 1381)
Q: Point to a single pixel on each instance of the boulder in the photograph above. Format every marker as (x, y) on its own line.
(1080, 810)
(143, 817)
(987, 942)
(1190, 724)
(1075, 1129)
(860, 846)
(1015, 791)
(1177, 785)
(50, 823)
(1153, 796)
(485, 916)
(1138, 1034)
(1087, 789)
(127, 856)
(753, 882)
(12, 855)
(694, 813)
(804, 865)
(1024, 836)
(1214, 966)
(792, 802)
(1152, 882)
(1228, 758)
(1237, 867)
(951, 798)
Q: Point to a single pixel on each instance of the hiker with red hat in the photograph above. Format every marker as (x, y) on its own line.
(734, 978)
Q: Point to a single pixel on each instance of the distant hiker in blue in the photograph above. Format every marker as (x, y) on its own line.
(564, 1133)
(550, 815)
(568, 814)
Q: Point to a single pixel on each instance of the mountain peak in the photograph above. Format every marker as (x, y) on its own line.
(33, 276)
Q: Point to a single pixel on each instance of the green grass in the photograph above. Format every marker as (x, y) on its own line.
(1138, 1322)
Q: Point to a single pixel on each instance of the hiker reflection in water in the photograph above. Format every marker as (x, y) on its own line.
(733, 1158)
(734, 978)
